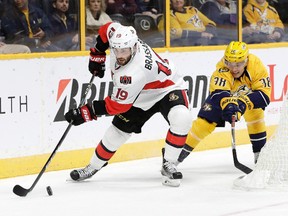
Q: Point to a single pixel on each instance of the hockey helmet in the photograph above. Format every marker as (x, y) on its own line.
(236, 51)
(124, 37)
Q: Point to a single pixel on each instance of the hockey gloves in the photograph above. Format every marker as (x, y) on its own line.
(97, 62)
(230, 107)
(245, 102)
(80, 115)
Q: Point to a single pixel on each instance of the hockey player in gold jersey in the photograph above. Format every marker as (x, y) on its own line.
(239, 86)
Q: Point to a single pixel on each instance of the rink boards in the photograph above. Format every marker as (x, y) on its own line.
(36, 92)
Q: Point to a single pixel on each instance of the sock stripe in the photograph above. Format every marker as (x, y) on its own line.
(103, 153)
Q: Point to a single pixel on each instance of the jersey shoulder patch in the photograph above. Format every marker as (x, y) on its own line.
(223, 69)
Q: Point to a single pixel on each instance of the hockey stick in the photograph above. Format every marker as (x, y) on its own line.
(237, 164)
(19, 190)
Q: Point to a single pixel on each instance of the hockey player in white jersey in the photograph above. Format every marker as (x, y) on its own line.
(144, 84)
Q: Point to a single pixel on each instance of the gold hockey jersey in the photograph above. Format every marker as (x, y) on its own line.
(255, 77)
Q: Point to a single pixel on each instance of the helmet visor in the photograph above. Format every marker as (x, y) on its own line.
(235, 64)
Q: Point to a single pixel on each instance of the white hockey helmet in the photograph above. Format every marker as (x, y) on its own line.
(124, 37)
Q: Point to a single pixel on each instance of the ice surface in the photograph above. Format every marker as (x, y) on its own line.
(134, 188)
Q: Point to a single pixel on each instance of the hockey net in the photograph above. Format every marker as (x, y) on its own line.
(271, 170)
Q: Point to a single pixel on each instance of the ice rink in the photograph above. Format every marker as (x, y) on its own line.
(134, 189)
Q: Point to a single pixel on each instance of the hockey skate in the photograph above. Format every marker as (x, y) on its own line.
(82, 174)
(171, 177)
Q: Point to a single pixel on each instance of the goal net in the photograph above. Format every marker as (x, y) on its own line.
(271, 170)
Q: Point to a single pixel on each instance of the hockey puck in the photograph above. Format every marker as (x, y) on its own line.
(49, 191)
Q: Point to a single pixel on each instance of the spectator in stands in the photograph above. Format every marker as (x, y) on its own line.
(189, 27)
(125, 7)
(223, 13)
(263, 23)
(23, 23)
(220, 11)
(95, 18)
(9, 48)
(64, 27)
(151, 8)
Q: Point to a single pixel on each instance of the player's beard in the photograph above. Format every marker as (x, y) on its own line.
(123, 61)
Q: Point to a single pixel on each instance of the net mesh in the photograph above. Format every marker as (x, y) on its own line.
(271, 170)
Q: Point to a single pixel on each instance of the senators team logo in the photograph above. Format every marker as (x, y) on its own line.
(111, 32)
(125, 80)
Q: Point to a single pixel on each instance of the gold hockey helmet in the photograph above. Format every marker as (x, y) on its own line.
(236, 51)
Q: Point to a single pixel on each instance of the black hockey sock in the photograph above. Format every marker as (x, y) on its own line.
(185, 152)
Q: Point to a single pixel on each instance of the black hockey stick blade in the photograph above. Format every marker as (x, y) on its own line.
(20, 191)
(239, 165)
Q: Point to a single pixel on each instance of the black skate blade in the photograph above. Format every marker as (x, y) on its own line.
(20, 191)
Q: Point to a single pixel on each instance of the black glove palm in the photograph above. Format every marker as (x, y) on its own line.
(97, 62)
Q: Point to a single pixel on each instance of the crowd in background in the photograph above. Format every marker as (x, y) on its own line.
(53, 25)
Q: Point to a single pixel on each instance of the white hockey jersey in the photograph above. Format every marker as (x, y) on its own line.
(143, 81)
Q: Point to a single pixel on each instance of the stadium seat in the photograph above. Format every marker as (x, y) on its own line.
(147, 30)
(144, 23)
(120, 19)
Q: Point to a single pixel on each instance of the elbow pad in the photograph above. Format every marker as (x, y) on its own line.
(258, 99)
(100, 45)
